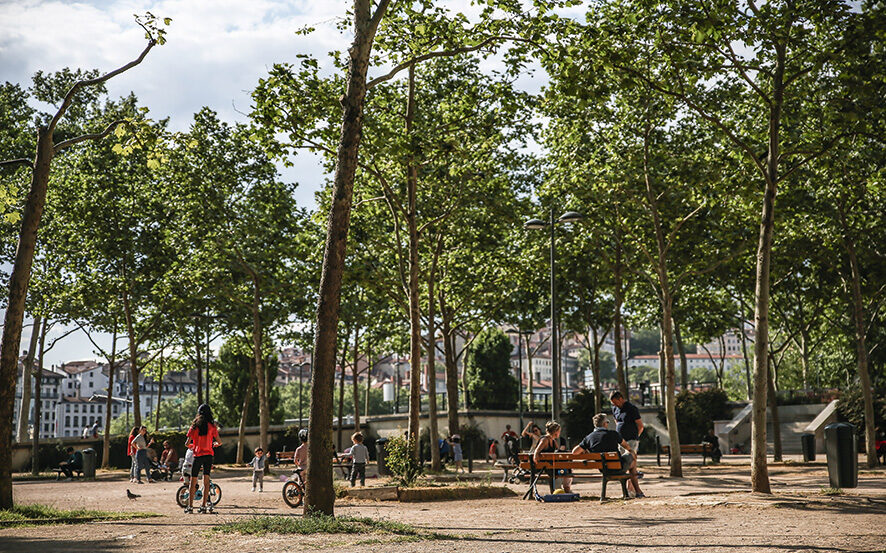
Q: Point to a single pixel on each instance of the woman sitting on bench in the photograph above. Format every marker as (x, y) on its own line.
(550, 443)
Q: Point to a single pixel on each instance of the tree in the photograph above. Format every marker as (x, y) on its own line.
(488, 371)
(46, 149)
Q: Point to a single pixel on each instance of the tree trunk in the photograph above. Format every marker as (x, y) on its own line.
(662, 397)
(341, 391)
(747, 361)
(109, 401)
(38, 403)
(15, 306)
(667, 332)
(804, 356)
(24, 412)
(159, 394)
(370, 365)
(759, 469)
(861, 351)
(684, 367)
(432, 372)
(414, 311)
(616, 321)
(776, 422)
(241, 433)
(451, 369)
(531, 375)
(261, 375)
(133, 361)
(198, 348)
(356, 372)
(595, 370)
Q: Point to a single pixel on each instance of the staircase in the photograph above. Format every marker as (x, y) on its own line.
(794, 420)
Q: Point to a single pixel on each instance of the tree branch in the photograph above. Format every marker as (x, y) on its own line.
(14, 162)
(95, 136)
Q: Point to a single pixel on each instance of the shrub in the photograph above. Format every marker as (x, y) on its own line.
(488, 372)
(696, 413)
(400, 462)
(578, 416)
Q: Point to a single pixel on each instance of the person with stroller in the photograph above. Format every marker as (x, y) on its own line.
(168, 459)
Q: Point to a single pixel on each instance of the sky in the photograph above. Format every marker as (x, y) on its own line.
(216, 52)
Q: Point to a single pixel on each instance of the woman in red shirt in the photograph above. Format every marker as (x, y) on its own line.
(202, 438)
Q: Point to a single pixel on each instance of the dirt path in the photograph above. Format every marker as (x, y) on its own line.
(708, 510)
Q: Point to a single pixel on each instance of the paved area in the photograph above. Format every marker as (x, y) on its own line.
(709, 509)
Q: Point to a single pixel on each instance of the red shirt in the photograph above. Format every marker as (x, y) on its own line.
(202, 445)
(129, 446)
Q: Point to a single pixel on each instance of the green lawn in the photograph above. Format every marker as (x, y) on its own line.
(30, 515)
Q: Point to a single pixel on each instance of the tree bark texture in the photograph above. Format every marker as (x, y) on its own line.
(341, 391)
(356, 386)
(684, 366)
(15, 307)
(319, 493)
(133, 362)
(433, 431)
(109, 401)
(241, 432)
(24, 412)
(159, 395)
(451, 368)
(261, 375)
(38, 403)
(861, 352)
(595, 370)
(776, 421)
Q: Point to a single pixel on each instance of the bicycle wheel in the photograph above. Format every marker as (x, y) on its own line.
(214, 493)
(181, 496)
(293, 494)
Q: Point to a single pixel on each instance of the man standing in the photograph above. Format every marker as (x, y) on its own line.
(602, 440)
(627, 419)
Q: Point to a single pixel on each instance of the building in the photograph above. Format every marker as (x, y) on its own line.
(693, 361)
(50, 395)
(75, 413)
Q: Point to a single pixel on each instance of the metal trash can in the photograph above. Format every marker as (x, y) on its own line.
(381, 455)
(841, 445)
(88, 463)
(807, 443)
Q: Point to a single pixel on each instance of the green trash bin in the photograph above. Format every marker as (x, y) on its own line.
(807, 442)
(88, 463)
(841, 445)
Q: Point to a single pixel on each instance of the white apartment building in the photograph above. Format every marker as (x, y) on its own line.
(693, 360)
(50, 395)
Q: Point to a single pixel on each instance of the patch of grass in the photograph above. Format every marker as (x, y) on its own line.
(831, 491)
(27, 476)
(322, 524)
(31, 515)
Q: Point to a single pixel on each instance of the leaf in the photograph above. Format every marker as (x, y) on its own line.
(117, 149)
(120, 131)
(13, 217)
(153, 163)
(167, 20)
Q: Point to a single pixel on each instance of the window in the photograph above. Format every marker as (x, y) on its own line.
(76, 420)
(92, 408)
(67, 421)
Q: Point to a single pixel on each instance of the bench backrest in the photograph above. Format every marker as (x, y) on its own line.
(690, 448)
(576, 461)
(285, 455)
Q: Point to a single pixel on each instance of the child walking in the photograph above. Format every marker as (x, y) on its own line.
(457, 455)
(359, 455)
(258, 469)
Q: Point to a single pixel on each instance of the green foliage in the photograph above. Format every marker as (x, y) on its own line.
(400, 461)
(233, 369)
(645, 341)
(488, 371)
(317, 524)
(696, 413)
(36, 513)
(851, 406)
(578, 413)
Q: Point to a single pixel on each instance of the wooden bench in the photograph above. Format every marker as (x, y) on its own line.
(608, 464)
(59, 472)
(704, 449)
(284, 457)
(506, 467)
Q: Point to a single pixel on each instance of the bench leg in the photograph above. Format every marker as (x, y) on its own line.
(504, 478)
(533, 481)
(603, 490)
(552, 481)
(624, 489)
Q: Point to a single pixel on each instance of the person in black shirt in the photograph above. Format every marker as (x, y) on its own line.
(602, 440)
(74, 462)
(712, 439)
(627, 418)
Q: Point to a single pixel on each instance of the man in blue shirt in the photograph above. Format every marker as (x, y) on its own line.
(603, 440)
(627, 418)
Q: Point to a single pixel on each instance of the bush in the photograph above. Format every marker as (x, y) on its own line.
(400, 462)
(851, 407)
(696, 413)
(488, 372)
(578, 416)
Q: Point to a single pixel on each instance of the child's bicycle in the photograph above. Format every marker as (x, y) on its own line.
(181, 496)
(294, 489)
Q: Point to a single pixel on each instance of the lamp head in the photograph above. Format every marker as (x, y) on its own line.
(535, 224)
(571, 217)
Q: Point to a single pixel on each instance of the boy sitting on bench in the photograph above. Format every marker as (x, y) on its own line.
(602, 440)
(74, 463)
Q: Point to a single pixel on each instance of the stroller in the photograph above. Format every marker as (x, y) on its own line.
(512, 449)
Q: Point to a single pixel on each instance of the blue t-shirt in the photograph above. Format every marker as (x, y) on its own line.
(601, 440)
(626, 420)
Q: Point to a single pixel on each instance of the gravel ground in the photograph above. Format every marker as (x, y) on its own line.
(709, 509)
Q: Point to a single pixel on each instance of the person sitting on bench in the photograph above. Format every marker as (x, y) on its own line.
(74, 463)
(712, 439)
(550, 443)
(602, 440)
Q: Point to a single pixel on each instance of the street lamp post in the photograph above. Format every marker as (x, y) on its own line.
(520, 334)
(556, 369)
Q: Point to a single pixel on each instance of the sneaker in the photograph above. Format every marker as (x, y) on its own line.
(253, 489)
(210, 508)
(189, 510)
(260, 491)
(151, 481)
(202, 509)
(640, 495)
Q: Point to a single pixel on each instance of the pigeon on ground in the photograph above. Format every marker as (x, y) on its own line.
(131, 495)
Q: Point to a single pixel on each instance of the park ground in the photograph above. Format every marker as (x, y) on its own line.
(709, 509)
